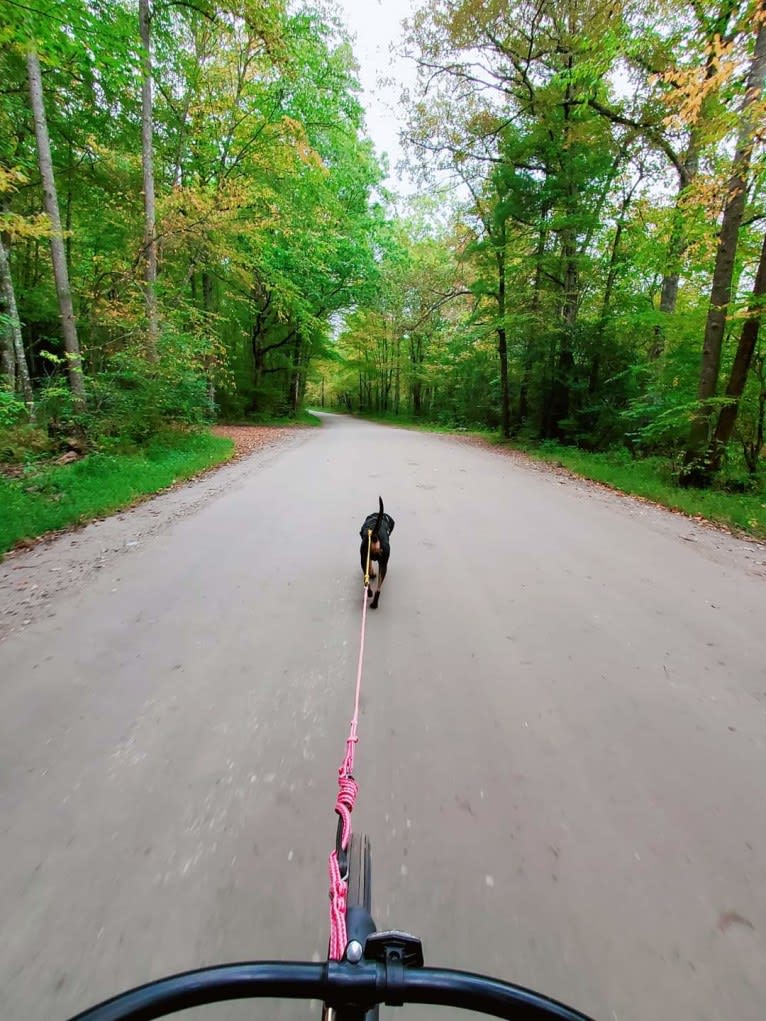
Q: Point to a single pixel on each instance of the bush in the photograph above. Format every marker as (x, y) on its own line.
(128, 403)
(23, 444)
(56, 408)
(12, 410)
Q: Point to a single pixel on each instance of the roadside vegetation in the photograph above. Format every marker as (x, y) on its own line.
(654, 479)
(40, 496)
(194, 228)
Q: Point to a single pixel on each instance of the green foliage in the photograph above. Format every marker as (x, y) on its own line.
(56, 407)
(128, 402)
(12, 409)
(24, 444)
(131, 401)
(265, 213)
(588, 218)
(565, 207)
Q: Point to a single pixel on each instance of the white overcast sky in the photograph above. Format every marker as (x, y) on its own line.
(374, 26)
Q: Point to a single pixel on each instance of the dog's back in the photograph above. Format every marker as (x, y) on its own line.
(383, 530)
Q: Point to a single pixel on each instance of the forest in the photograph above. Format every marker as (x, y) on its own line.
(195, 227)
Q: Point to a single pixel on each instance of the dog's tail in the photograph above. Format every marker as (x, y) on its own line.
(378, 520)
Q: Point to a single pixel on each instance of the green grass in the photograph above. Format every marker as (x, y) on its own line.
(410, 422)
(651, 478)
(57, 496)
(303, 417)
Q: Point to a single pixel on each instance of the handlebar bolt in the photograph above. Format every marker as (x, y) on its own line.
(354, 951)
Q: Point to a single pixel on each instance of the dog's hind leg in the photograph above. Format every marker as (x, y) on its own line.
(379, 586)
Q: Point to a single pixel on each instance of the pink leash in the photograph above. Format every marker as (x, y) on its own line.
(347, 791)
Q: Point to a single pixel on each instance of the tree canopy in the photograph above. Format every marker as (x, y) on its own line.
(583, 260)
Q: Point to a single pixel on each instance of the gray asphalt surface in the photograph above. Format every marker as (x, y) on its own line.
(562, 751)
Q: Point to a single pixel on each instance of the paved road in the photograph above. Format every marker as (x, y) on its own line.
(562, 753)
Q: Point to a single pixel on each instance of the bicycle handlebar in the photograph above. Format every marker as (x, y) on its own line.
(336, 983)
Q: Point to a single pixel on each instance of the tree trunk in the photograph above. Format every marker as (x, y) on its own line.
(58, 254)
(502, 342)
(416, 387)
(562, 382)
(147, 164)
(68, 205)
(207, 291)
(397, 372)
(753, 450)
(8, 298)
(562, 377)
(296, 373)
(739, 370)
(526, 372)
(18, 373)
(698, 472)
(533, 331)
(8, 359)
(261, 301)
(615, 258)
(259, 362)
(384, 376)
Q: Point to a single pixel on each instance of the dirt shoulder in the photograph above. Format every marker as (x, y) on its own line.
(63, 562)
(250, 439)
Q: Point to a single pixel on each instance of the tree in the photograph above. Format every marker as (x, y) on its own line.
(505, 98)
(147, 164)
(698, 469)
(58, 253)
(14, 357)
(741, 366)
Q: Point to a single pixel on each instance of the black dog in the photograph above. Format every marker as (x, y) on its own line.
(381, 525)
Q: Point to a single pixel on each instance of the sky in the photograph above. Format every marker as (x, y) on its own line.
(374, 26)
